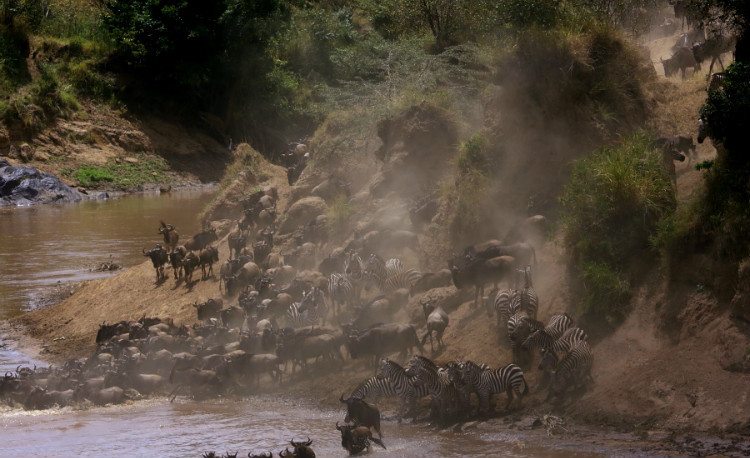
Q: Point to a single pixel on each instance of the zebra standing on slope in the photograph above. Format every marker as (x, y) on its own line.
(486, 383)
(354, 269)
(574, 370)
(528, 300)
(341, 292)
(545, 338)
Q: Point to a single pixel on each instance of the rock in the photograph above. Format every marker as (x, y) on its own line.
(301, 212)
(41, 156)
(165, 188)
(131, 160)
(24, 185)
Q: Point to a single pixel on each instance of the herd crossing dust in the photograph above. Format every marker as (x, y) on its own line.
(414, 188)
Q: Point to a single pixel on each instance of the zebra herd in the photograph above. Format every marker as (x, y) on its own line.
(449, 386)
(345, 288)
(566, 356)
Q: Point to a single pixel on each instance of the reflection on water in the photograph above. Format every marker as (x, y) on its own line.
(45, 244)
(188, 429)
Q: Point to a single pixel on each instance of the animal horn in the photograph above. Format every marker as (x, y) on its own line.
(337, 426)
(309, 441)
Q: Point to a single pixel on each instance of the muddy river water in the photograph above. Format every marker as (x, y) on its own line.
(50, 246)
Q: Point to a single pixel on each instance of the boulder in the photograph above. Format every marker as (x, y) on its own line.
(301, 212)
(24, 185)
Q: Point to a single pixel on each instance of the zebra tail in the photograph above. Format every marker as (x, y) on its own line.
(526, 386)
(379, 442)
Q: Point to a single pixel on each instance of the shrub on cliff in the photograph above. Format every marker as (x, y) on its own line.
(610, 209)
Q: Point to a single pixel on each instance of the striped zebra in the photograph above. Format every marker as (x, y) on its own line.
(403, 279)
(425, 372)
(569, 339)
(486, 383)
(354, 269)
(405, 390)
(520, 327)
(375, 388)
(527, 297)
(309, 311)
(574, 370)
(340, 290)
(502, 305)
(389, 276)
(545, 338)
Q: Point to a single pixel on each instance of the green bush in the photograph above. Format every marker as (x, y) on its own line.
(472, 154)
(611, 208)
(607, 300)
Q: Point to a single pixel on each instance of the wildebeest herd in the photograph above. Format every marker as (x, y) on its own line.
(285, 316)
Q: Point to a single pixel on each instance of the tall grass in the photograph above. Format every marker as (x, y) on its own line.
(610, 209)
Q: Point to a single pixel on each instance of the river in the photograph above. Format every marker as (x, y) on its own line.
(53, 245)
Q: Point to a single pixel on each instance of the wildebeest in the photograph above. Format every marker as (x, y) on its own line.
(201, 240)
(668, 157)
(207, 257)
(361, 413)
(190, 263)
(437, 321)
(233, 317)
(680, 60)
(209, 309)
(301, 450)
(680, 143)
(171, 237)
(236, 241)
(713, 47)
(176, 257)
(523, 253)
(356, 439)
(158, 257)
(384, 339)
(478, 272)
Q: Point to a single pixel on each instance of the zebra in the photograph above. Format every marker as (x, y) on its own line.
(340, 290)
(520, 327)
(527, 295)
(486, 383)
(354, 269)
(375, 388)
(402, 385)
(545, 338)
(502, 305)
(389, 276)
(569, 339)
(393, 266)
(463, 389)
(298, 318)
(309, 311)
(574, 370)
(403, 279)
(442, 391)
